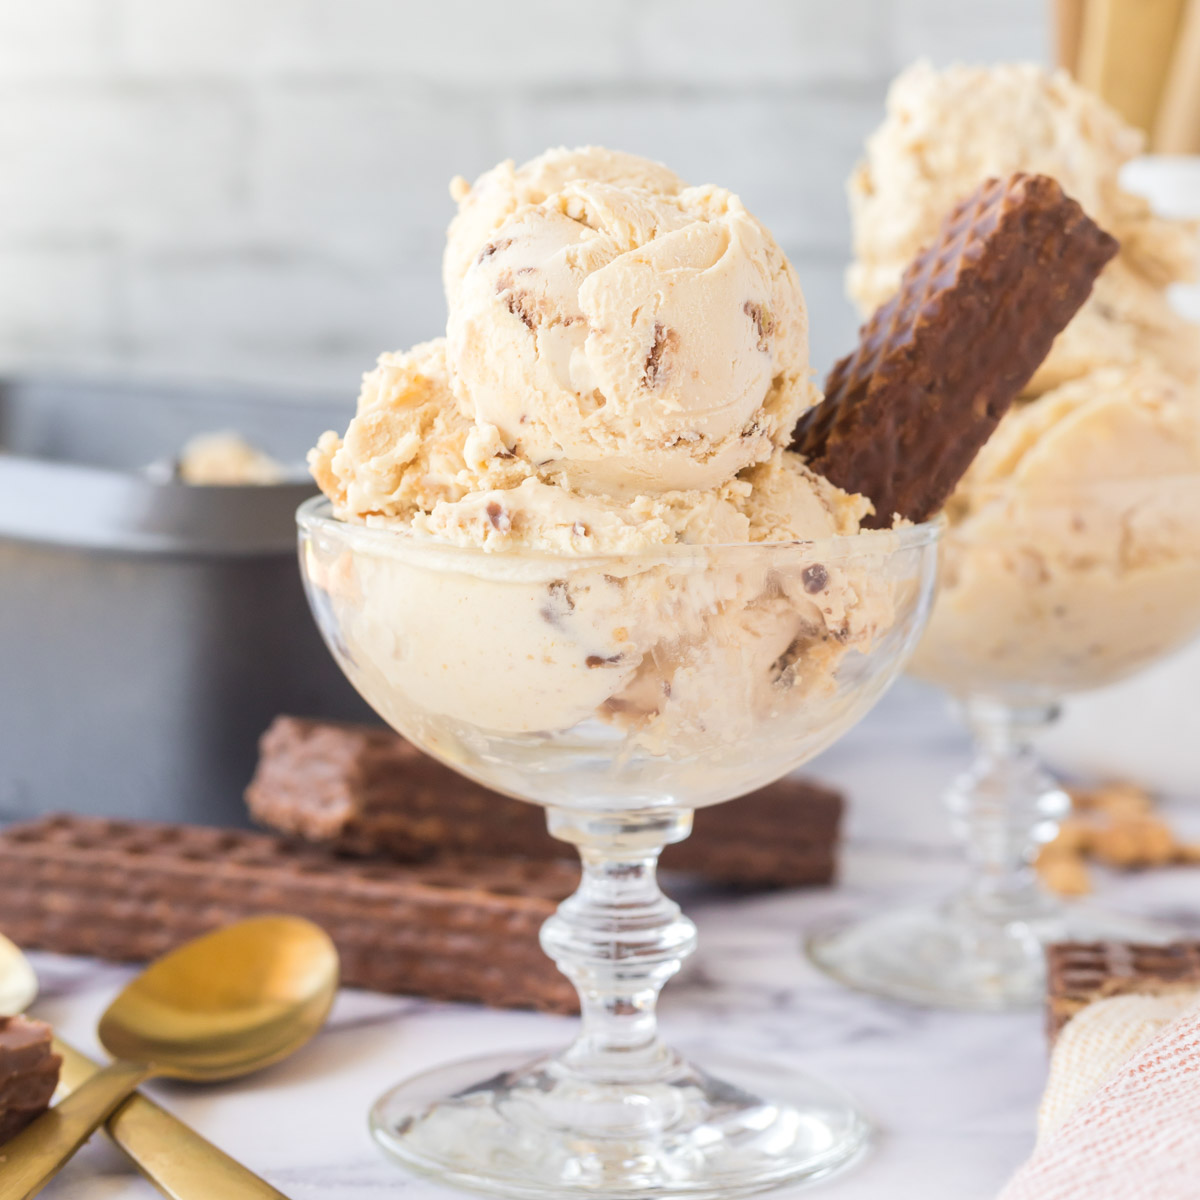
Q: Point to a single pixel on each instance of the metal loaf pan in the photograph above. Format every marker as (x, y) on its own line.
(149, 631)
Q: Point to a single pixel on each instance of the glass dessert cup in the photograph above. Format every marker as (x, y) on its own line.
(620, 692)
(1045, 591)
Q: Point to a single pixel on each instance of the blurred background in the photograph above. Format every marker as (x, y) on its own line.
(255, 191)
(215, 214)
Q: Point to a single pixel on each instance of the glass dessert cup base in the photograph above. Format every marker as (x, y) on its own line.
(508, 1126)
(949, 956)
(983, 949)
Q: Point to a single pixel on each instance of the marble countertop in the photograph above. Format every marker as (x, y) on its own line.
(954, 1096)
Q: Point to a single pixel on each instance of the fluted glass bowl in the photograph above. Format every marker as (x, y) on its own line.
(621, 692)
(1045, 591)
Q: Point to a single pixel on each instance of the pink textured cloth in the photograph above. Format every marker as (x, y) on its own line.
(1137, 1138)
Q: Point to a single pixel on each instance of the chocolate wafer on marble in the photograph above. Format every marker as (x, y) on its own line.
(940, 363)
(455, 929)
(364, 790)
(1079, 973)
(28, 1072)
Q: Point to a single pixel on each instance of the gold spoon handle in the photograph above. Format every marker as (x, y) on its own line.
(38, 1153)
(172, 1156)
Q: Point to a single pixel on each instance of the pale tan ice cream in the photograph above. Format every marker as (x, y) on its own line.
(499, 193)
(226, 459)
(1072, 557)
(947, 131)
(624, 361)
(630, 342)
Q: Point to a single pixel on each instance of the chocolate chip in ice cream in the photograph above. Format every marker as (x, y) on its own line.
(518, 303)
(764, 323)
(657, 364)
(493, 248)
(559, 604)
(815, 578)
(517, 306)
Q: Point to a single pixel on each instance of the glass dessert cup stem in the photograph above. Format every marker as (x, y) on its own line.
(1004, 807)
(984, 947)
(617, 1113)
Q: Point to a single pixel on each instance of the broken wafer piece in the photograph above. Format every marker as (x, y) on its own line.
(940, 363)
(1079, 973)
(457, 929)
(28, 1072)
(363, 790)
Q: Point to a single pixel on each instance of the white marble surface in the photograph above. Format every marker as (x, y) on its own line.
(954, 1096)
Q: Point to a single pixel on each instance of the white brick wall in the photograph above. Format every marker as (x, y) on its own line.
(256, 189)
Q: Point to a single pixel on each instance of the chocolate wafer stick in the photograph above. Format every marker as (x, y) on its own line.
(940, 363)
(28, 1072)
(458, 929)
(364, 790)
(1079, 973)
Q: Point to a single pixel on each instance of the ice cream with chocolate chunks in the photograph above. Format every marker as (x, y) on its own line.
(625, 359)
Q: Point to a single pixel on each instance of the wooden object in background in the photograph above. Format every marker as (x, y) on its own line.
(1068, 33)
(1177, 126)
(1125, 51)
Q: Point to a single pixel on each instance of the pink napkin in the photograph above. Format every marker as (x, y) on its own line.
(1137, 1138)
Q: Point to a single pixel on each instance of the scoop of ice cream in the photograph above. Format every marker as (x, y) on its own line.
(1126, 320)
(575, 614)
(1074, 556)
(778, 501)
(497, 194)
(1115, 424)
(410, 444)
(624, 358)
(947, 131)
(629, 342)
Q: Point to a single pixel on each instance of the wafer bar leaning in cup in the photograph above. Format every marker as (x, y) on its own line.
(458, 929)
(363, 790)
(940, 363)
(1080, 973)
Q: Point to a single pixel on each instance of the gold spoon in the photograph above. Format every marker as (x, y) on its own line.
(171, 1155)
(218, 1007)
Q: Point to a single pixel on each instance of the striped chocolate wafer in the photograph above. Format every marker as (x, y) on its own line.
(364, 790)
(938, 365)
(1079, 973)
(457, 929)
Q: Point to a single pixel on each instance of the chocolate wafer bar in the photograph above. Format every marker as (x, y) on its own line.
(940, 363)
(456, 929)
(28, 1072)
(363, 791)
(1078, 973)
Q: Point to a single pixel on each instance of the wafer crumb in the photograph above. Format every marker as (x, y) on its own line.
(1114, 824)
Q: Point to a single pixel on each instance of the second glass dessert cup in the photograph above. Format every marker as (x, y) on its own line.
(620, 692)
(1046, 590)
